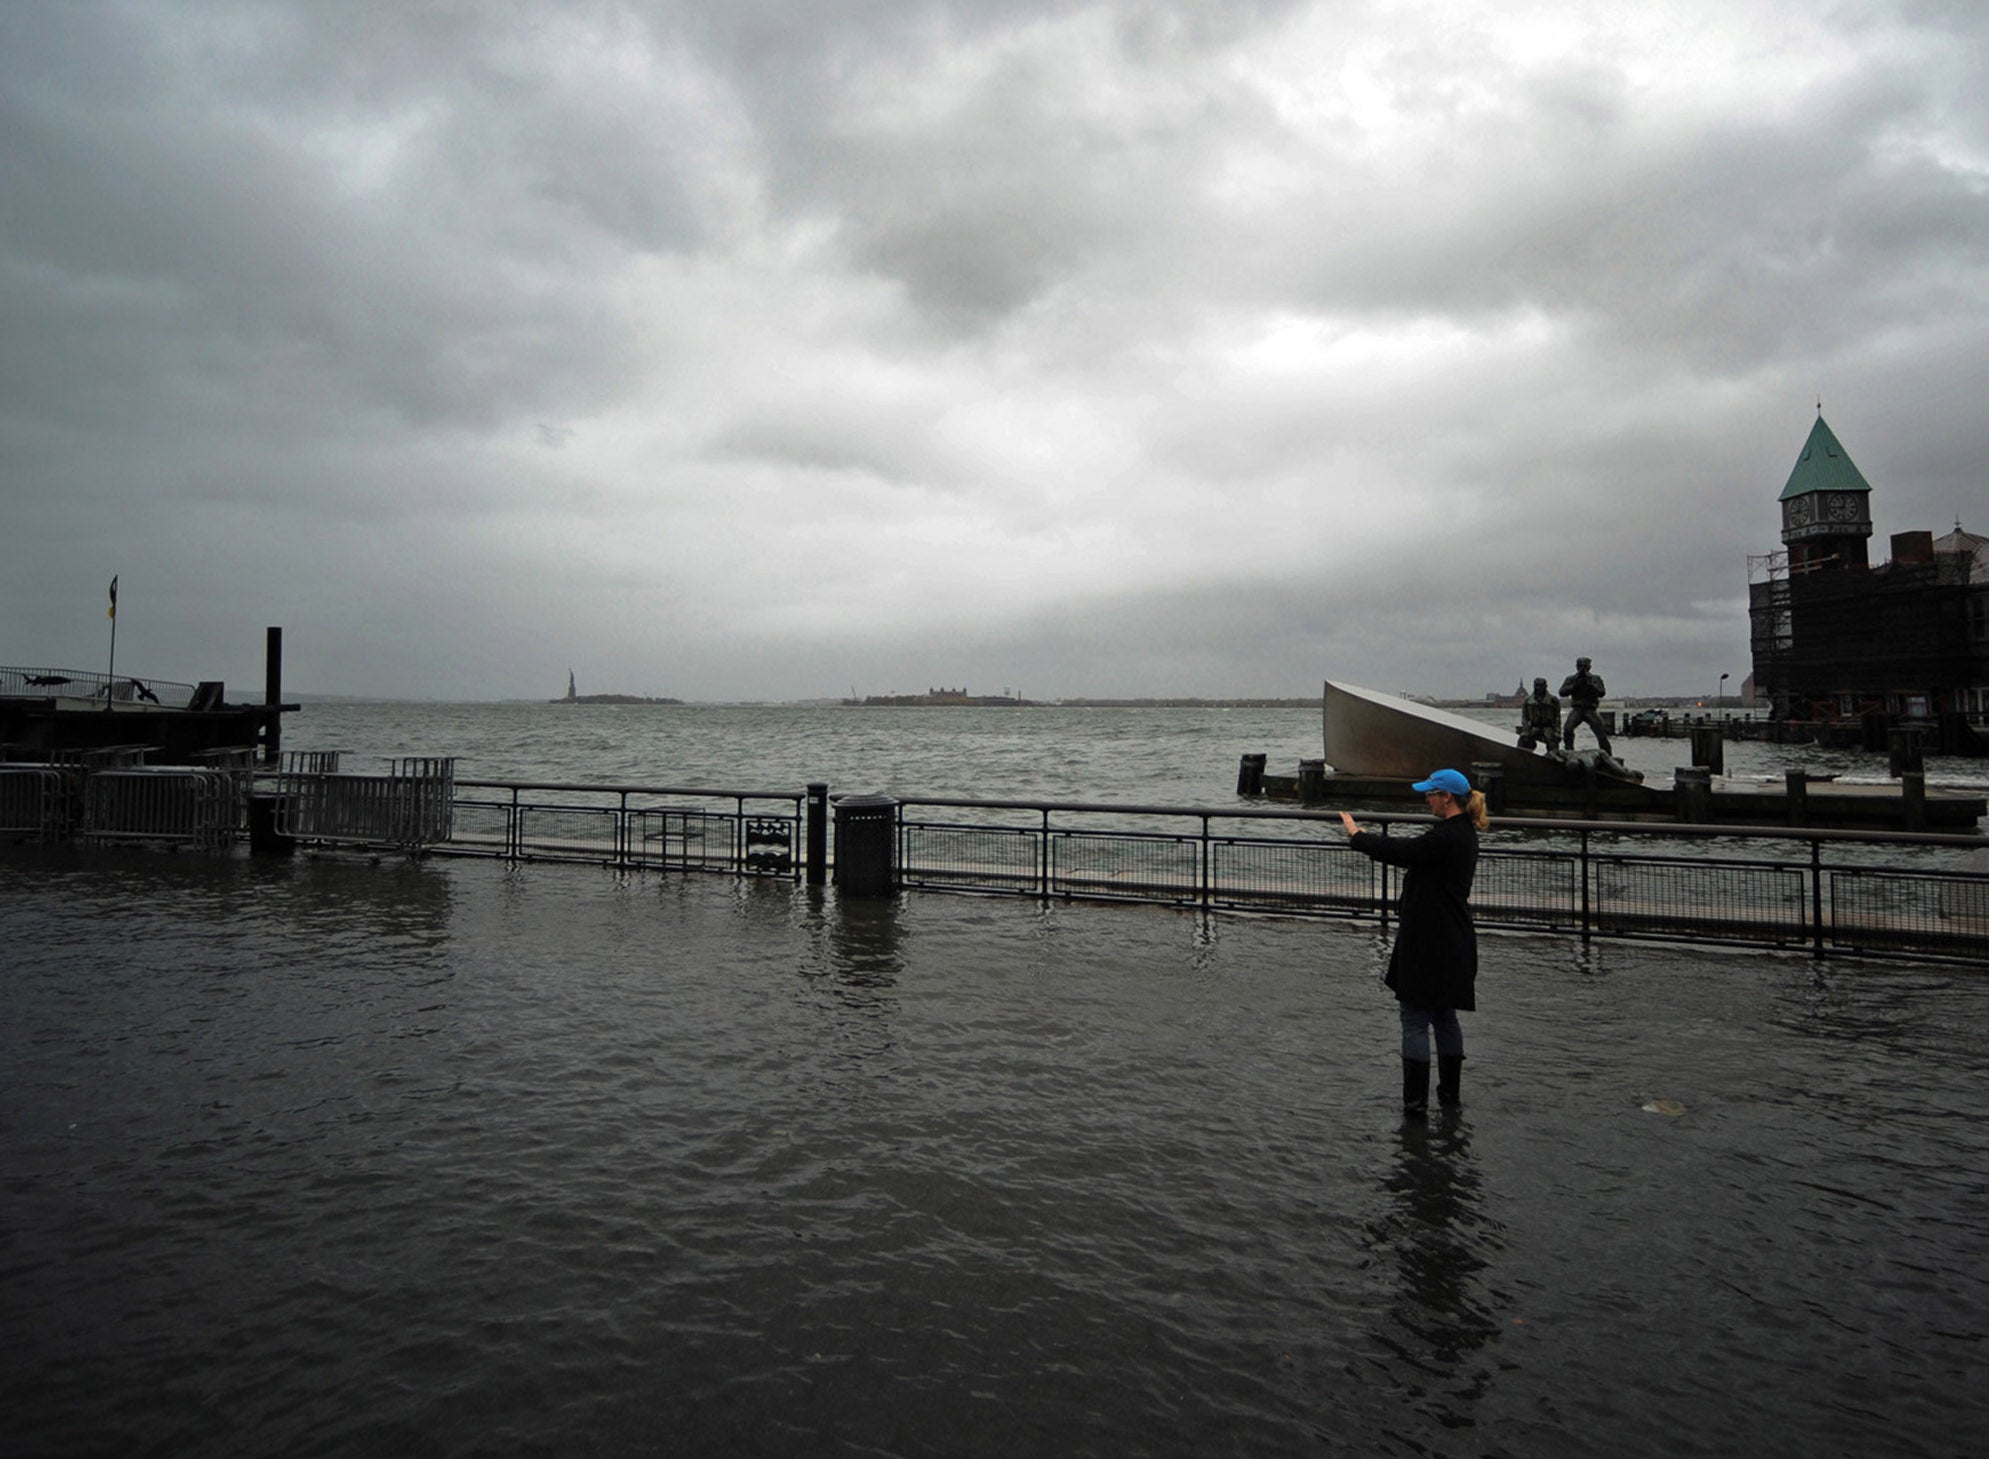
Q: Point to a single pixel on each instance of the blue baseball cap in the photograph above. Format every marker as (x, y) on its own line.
(1446, 780)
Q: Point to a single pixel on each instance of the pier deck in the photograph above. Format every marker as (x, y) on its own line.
(1732, 801)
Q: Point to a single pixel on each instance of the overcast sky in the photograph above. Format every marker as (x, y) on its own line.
(772, 349)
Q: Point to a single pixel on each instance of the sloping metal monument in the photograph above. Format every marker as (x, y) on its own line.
(1371, 733)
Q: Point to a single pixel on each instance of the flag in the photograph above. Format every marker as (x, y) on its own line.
(113, 596)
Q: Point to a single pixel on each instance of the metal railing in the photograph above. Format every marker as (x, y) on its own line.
(1818, 890)
(17, 682)
(1811, 889)
(634, 827)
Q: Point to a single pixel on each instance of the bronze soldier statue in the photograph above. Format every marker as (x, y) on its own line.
(1584, 691)
(1540, 718)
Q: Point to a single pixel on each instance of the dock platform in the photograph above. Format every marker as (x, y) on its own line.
(1723, 801)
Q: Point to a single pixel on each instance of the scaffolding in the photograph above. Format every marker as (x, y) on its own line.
(1905, 638)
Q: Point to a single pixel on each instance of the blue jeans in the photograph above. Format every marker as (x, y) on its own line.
(1417, 1022)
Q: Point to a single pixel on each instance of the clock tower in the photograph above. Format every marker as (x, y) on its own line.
(1826, 507)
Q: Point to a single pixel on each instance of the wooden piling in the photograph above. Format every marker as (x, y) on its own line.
(1798, 796)
(272, 697)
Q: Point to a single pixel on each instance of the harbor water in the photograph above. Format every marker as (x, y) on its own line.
(1185, 756)
(344, 1155)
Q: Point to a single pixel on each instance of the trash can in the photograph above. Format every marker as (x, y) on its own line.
(867, 845)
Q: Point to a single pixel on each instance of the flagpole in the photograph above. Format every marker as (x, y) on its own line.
(110, 687)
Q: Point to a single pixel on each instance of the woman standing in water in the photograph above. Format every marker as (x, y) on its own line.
(1434, 965)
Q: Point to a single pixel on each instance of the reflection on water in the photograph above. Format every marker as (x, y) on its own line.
(1441, 1244)
(1442, 1239)
(863, 942)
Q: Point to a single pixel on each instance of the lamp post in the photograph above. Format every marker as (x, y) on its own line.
(1721, 698)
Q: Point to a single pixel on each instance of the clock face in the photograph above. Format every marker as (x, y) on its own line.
(1799, 511)
(1843, 507)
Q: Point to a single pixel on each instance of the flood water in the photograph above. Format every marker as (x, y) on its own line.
(342, 1156)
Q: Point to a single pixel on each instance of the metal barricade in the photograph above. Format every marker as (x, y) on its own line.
(413, 804)
(237, 765)
(310, 762)
(179, 803)
(35, 802)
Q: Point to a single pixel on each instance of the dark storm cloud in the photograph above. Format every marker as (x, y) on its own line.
(1105, 347)
(281, 219)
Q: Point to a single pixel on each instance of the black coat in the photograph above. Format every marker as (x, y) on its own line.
(1435, 961)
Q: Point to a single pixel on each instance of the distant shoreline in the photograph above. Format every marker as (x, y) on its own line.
(611, 699)
(1730, 705)
(1310, 702)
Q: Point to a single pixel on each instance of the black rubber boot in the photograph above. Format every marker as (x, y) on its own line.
(1449, 1066)
(1415, 1087)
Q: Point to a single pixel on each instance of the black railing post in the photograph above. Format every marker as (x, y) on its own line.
(1207, 866)
(1816, 896)
(1382, 866)
(795, 831)
(1587, 908)
(1043, 855)
(818, 832)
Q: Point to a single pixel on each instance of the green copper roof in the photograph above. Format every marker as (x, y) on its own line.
(1823, 466)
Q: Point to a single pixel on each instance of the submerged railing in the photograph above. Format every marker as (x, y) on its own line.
(109, 793)
(633, 827)
(1822, 891)
(410, 805)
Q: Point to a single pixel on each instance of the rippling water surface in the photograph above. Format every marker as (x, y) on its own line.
(1156, 756)
(338, 1156)
(1145, 756)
